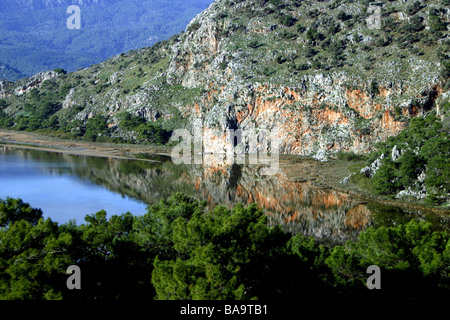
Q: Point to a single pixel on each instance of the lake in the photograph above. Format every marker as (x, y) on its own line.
(68, 187)
(50, 181)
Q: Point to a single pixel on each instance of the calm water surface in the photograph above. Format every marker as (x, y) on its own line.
(68, 187)
(49, 181)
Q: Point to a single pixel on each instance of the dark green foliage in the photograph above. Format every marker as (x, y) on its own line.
(436, 23)
(300, 28)
(64, 89)
(114, 265)
(343, 16)
(129, 122)
(414, 8)
(13, 210)
(96, 127)
(384, 181)
(425, 148)
(313, 13)
(21, 123)
(445, 73)
(285, 34)
(374, 89)
(254, 44)
(349, 156)
(60, 70)
(181, 250)
(5, 120)
(336, 48)
(415, 24)
(310, 52)
(194, 27)
(40, 107)
(389, 24)
(280, 59)
(414, 259)
(314, 35)
(409, 168)
(33, 259)
(288, 20)
(221, 255)
(153, 133)
(147, 131)
(333, 28)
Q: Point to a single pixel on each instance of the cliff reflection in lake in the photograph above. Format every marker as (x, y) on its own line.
(297, 207)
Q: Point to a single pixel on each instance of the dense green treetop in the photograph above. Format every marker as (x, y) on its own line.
(181, 250)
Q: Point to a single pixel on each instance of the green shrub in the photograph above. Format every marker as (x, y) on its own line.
(60, 70)
(414, 8)
(425, 147)
(436, 24)
(350, 156)
(194, 27)
(288, 20)
(147, 132)
(254, 44)
(96, 127)
(5, 120)
(314, 35)
(343, 16)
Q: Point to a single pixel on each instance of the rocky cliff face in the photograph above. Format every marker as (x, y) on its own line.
(316, 113)
(327, 75)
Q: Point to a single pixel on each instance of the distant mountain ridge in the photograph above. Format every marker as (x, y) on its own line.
(6, 72)
(34, 36)
(42, 4)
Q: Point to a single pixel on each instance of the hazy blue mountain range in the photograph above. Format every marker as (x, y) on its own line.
(34, 36)
(6, 72)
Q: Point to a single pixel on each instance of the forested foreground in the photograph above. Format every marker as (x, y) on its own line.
(182, 250)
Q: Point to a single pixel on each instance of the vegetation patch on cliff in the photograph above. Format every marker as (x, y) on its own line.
(414, 164)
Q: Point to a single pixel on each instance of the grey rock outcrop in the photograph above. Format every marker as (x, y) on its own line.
(370, 170)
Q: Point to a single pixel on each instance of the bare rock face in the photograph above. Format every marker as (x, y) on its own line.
(396, 153)
(370, 170)
(3, 91)
(35, 82)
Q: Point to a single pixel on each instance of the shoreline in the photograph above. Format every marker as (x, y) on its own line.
(35, 141)
(88, 153)
(321, 175)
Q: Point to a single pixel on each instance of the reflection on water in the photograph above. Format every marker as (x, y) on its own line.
(297, 207)
(49, 181)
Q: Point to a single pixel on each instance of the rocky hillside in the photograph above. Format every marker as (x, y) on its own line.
(329, 75)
